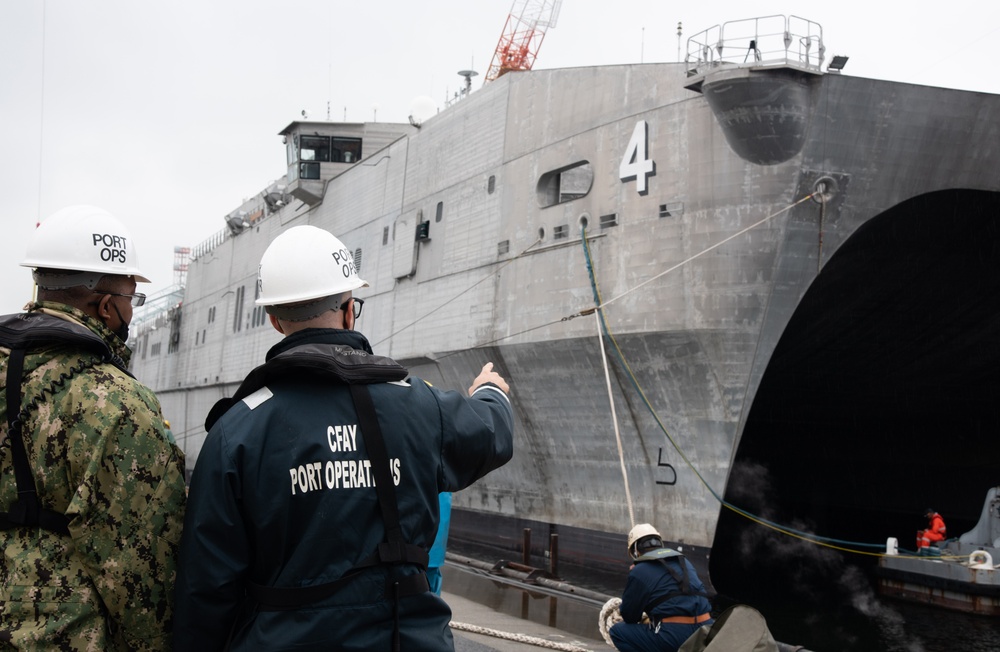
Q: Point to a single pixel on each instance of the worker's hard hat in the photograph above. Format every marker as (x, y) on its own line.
(305, 263)
(929, 511)
(82, 239)
(638, 533)
(166, 424)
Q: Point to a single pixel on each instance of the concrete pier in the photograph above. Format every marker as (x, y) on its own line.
(508, 633)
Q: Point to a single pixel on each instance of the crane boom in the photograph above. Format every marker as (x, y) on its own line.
(522, 35)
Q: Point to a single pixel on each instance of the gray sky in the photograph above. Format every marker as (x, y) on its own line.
(167, 114)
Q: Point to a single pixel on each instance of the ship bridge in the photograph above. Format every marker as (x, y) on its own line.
(319, 151)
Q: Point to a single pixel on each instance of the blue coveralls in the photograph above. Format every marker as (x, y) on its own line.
(648, 582)
(283, 496)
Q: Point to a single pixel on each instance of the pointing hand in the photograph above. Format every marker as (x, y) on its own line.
(487, 375)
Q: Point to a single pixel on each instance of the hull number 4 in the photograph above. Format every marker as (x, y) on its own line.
(636, 163)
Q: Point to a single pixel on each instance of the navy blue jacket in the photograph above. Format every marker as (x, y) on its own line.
(283, 495)
(649, 581)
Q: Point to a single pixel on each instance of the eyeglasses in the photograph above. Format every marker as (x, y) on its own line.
(136, 299)
(358, 305)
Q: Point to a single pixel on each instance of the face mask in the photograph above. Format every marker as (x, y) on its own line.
(122, 332)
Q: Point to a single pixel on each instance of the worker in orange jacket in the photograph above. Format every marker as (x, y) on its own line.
(936, 532)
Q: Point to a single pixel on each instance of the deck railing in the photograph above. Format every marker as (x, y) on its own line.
(769, 41)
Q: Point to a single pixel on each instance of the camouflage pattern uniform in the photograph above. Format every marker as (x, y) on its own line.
(99, 454)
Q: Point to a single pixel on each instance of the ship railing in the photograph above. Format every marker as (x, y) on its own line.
(766, 42)
(206, 246)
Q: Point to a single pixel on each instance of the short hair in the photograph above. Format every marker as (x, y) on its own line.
(307, 310)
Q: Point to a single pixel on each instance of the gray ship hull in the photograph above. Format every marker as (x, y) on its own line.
(734, 222)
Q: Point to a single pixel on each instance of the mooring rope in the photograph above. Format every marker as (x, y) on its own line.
(614, 420)
(585, 311)
(610, 615)
(708, 249)
(519, 638)
(828, 542)
(599, 311)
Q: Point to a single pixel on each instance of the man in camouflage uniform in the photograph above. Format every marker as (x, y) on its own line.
(93, 568)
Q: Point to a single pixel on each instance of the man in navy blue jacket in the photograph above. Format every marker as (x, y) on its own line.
(315, 497)
(664, 585)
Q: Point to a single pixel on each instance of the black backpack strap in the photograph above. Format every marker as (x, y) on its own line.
(26, 510)
(682, 578)
(392, 551)
(395, 549)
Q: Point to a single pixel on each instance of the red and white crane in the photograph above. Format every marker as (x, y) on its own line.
(522, 35)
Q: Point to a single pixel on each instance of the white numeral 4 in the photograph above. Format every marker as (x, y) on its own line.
(636, 163)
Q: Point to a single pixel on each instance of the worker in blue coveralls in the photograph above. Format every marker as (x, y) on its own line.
(664, 585)
(440, 546)
(314, 499)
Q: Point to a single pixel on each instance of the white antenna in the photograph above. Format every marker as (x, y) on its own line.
(678, 41)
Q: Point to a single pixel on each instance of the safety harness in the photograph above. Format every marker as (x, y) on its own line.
(357, 369)
(20, 333)
(682, 578)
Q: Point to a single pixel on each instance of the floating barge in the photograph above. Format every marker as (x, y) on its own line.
(963, 574)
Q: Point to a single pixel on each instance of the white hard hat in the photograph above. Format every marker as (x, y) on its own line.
(640, 531)
(83, 239)
(305, 263)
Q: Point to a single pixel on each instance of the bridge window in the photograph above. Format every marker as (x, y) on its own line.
(345, 150)
(309, 170)
(565, 184)
(325, 149)
(314, 148)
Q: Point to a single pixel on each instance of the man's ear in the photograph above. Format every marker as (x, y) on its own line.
(103, 308)
(349, 318)
(276, 324)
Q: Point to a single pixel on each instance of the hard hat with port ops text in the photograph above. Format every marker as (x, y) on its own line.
(84, 239)
(304, 263)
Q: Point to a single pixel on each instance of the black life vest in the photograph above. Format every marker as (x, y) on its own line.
(19, 333)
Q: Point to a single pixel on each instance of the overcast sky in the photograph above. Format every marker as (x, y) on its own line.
(167, 113)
